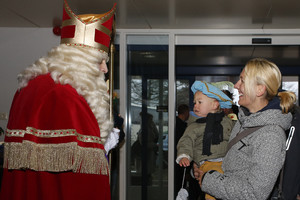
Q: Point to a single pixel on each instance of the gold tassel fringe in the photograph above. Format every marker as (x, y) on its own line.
(55, 158)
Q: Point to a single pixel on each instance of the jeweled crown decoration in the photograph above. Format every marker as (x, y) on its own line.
(90, 30)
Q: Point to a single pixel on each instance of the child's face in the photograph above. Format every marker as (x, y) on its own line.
(204, 105)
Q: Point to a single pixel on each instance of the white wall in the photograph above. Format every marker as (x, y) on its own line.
(20, 47)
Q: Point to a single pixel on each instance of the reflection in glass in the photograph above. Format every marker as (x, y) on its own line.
(147, 132)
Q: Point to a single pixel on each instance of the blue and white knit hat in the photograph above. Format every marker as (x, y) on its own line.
(212, 92)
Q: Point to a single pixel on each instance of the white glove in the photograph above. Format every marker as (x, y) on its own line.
(112, 140)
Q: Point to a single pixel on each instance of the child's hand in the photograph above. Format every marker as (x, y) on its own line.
(184, 162)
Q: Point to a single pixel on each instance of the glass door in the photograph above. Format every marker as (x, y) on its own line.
(147, 133)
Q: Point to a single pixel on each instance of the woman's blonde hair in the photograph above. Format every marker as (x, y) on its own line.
(78, 67)
(259, 71)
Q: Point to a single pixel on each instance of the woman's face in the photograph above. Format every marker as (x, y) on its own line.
(103, 66)
(244, 99)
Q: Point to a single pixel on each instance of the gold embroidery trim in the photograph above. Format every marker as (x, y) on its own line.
(207, 88)
(52, 134)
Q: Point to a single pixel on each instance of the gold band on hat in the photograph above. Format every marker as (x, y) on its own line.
(90, 30)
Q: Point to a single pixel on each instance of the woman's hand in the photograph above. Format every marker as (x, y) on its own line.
(198, 174)
(184, 162)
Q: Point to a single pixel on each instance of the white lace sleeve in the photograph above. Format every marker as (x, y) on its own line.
(112, 140)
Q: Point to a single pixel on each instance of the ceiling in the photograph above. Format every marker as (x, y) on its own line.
(160, 14)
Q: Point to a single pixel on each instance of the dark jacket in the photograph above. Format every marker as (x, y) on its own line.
(291, 171)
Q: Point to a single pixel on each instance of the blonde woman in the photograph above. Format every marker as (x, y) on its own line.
(252, 165)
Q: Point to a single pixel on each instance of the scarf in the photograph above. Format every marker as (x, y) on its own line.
(213, 133)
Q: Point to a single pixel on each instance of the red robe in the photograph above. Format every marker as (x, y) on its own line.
(52, 146)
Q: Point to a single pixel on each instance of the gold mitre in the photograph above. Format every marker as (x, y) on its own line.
(89, 30)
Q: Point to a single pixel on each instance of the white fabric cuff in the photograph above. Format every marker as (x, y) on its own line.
(182, 156)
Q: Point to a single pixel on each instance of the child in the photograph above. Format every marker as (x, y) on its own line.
(205, 140)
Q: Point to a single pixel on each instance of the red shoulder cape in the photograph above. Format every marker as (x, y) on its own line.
(52, 134)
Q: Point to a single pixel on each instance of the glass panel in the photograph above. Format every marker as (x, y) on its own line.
(291, 83)
(182, 91)
(230, 59)
(209, 55)
(147, 134)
